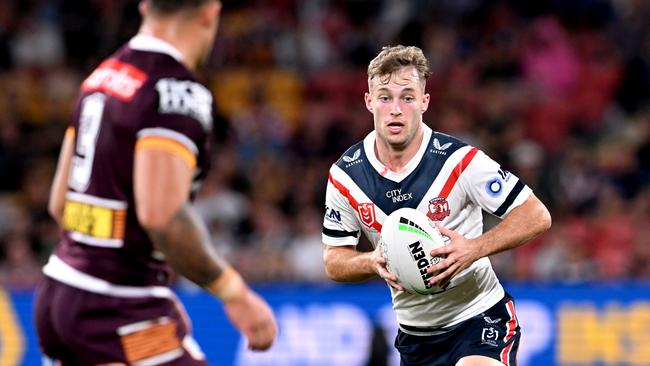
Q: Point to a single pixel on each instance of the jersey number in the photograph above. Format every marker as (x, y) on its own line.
(92, 109)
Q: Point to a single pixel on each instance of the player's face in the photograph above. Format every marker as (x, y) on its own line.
(397, 105)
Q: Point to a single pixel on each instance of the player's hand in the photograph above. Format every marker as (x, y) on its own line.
(457, 255)
(379, 265)
(254, 318)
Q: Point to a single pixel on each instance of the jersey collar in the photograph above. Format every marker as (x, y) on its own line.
(369, 147)
(145, 42)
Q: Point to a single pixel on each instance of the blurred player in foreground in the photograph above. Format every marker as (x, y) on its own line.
(403, 163)
(134, 155)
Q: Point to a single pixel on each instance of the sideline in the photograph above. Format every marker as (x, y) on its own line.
(12, 340)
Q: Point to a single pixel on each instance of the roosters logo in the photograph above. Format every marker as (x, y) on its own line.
(438, 209)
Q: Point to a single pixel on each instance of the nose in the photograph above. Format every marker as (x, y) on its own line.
(395, 110)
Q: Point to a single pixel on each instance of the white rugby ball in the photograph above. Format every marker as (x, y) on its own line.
(407, 238)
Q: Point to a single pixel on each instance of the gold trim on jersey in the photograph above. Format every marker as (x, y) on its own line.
(169, 145)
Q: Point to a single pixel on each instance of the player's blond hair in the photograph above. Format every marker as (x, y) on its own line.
(393, 58)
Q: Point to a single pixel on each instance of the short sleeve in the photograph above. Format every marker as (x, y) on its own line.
(180, 118)
(493, 188)
(340, 224)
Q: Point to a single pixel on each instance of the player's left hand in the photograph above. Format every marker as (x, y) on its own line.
(458, 254)
(379, 263)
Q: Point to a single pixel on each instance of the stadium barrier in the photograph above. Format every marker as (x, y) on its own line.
(326, 325)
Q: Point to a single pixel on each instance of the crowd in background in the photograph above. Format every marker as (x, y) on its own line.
(557, 91)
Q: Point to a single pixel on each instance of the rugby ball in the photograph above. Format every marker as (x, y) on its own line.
(407, 238)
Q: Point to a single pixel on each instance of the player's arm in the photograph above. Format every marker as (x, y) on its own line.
(60, 183)
(346, 264)
(343, 263)
(162, 182)
(523, 223)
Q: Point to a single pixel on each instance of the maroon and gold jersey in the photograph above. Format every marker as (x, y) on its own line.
(142, 96)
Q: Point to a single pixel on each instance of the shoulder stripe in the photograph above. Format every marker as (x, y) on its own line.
(170, 134)
(168, 145)
(456, 172)
(519, 186)
(340, 233)
(353, 202)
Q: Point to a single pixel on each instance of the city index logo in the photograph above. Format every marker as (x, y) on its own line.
(397, 196)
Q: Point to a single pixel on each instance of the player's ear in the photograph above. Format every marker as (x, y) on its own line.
(143, 7)
(368, 101)
(210, 12)
(425, 102)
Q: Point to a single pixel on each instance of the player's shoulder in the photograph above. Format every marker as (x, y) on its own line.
(442, 142)
(170, 87)
(353, 157)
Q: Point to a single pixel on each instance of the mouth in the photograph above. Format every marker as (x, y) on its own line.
(395, 127)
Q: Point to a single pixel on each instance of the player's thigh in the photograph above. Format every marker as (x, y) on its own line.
(149, 331)
(478, 361)
(105, 330)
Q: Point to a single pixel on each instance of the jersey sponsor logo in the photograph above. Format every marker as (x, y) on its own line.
(353, 160)
(490, 320)
(354, 157)
(494, 187)
(397, 196)
(438, 148)
(94, 221)
(187, 98)
(367, 213)
(438, 209)
(490, 336)
(332, 215)
(115, 78)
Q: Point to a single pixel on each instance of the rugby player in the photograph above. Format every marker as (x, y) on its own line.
(134, 155)
(403, 163)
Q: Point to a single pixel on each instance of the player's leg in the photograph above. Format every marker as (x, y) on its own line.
(47, 298)
(83, 328)
(478, 361)
(491, 338)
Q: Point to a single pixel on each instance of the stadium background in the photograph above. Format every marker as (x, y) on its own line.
(556, 90)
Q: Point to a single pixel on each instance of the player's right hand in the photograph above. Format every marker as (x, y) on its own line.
(379, 265)
(253, 317)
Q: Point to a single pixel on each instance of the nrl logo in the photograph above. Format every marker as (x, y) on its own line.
(354, 157)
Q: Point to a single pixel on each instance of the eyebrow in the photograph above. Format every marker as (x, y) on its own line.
(409, 89)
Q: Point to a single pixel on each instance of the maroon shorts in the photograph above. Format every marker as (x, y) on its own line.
(76, 327)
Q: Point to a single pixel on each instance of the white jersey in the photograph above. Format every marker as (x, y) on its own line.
(451, 182)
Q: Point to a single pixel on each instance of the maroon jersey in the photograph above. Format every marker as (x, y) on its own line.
(140, 96)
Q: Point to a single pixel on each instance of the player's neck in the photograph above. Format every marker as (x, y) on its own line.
(395, 159)
(176, 34)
